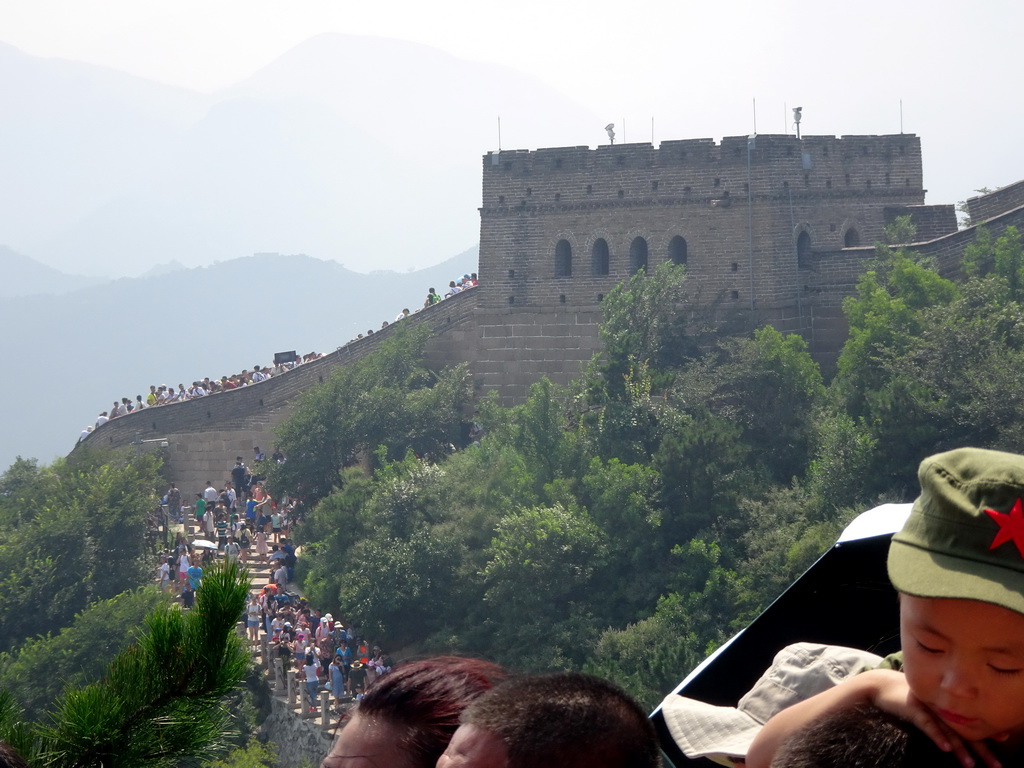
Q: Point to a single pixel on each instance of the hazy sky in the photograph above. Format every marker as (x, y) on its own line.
(695, 68)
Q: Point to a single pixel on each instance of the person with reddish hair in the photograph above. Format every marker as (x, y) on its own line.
(407, 718)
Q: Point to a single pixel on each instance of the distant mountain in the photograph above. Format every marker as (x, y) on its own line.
(361, 150)
(73, 137)
(163, 269)
(80, 351)
(22, 276)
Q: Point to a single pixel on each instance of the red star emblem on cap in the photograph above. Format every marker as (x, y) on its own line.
(1011, 526)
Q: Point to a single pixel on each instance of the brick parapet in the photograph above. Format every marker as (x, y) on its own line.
(739, 221)
(996, 203)
(205, 435)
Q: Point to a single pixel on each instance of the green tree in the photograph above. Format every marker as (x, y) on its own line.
(541, 558)
(841, 463)
(402, 588)
(538, 431)
(624, 500)
(703, 466)
(649, 657)
(1002, 259)
(539, 572)
(39, 669)
(902, 231)
(885, 318)
(770, 386)
(255, 754)
(75, 534)
(161, 702)
(640, 326)
(388, 398)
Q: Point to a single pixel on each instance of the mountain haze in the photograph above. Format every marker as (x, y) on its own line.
(82, 350)
(73, 136)
(360, 150)
(23, 276)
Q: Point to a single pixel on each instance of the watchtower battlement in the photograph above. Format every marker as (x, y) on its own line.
(564, 225)
(773, 165)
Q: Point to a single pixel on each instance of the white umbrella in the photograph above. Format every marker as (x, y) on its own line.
(203, 544)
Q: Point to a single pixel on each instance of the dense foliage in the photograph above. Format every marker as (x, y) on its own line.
(624, 525)
(630, 523)
(388, 399)
(96, 670)
(40, 668)
(71, 534)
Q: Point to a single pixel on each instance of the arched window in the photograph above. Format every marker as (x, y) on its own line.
(677, 250)
(637, 255)
(851, 239)
(803, 248)
(599, 257)
(563, 259)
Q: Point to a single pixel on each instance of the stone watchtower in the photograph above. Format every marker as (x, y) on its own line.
(560, 228)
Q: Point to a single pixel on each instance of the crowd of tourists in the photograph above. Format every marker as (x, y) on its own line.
(464, 283)
(165, 395)
(240, 522)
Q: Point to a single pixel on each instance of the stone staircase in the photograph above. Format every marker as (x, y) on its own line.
(286, 683)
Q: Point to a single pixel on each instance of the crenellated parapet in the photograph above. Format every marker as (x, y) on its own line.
(696, 170)
(565, 225)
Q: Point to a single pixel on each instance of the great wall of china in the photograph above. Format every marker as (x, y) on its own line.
(772, 229)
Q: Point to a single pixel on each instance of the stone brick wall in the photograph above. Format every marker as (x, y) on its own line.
(931, 220)
(204, 436)
(630, 195)
(995, 203)
(830, 276)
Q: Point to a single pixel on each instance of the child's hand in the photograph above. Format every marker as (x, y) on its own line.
(892, 694)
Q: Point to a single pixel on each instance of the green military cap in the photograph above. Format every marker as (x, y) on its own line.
(965, 534)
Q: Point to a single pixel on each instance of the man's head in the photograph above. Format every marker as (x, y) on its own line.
(568, 720)
(862, 737)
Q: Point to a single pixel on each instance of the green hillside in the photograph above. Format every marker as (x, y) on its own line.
(630, 523)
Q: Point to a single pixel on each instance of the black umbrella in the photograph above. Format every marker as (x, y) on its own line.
(845, 598)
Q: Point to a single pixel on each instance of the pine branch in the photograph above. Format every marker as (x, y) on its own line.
(162, 700)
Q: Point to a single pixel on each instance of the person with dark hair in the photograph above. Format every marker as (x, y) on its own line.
(861, 737)
(9, 757)
(563, 720)
(407, 718)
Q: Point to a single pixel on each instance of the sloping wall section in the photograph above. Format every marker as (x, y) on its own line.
(201, 438)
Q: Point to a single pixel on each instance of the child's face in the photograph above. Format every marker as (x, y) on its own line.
(965, 660)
